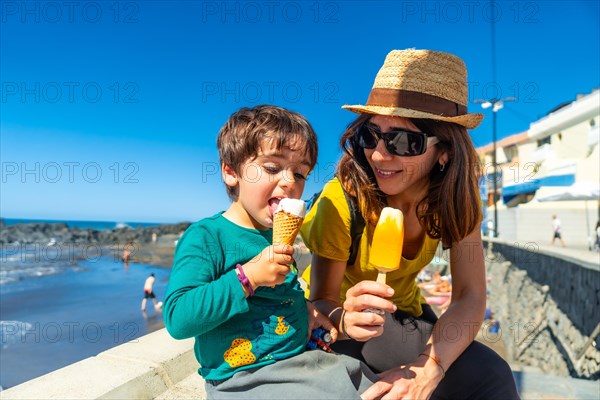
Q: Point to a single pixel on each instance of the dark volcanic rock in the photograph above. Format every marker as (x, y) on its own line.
(61, 233)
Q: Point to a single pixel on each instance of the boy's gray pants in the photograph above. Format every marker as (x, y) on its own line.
(313, 374)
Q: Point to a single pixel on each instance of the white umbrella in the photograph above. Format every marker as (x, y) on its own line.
(581, 191)
(576, 192)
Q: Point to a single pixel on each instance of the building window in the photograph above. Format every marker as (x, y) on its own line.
(511, 152)
(543, 141)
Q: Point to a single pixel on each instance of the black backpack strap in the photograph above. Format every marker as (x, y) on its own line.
(357, 226)
(311, 202)
(357, 222)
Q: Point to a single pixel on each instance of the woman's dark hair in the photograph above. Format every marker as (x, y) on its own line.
(450, 210)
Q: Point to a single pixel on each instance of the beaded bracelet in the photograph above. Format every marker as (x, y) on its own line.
(244, 280)
(436, 360)
(344, 325)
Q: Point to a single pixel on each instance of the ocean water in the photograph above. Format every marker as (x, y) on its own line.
(24, 261)
(61, 303)
(99, 225)
(62, 312)
(29, 261)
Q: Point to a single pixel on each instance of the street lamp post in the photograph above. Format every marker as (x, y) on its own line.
(494, 161)
(496, 104)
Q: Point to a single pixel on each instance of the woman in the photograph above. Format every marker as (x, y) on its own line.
(409, 149)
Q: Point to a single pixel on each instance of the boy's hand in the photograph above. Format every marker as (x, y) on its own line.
(270, 266)
(318, 320)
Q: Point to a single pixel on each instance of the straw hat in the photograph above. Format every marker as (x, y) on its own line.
(421, 84)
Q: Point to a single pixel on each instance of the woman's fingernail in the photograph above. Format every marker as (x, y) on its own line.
(395, 308)
(390, 291)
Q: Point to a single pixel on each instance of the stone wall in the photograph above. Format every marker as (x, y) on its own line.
(548, 308)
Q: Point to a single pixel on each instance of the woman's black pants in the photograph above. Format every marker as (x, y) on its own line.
(479, 373)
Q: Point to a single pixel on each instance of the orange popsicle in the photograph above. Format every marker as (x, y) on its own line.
(386, 249)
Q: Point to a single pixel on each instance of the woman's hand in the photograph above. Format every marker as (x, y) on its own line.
(412, 381)
(360, 325)
(318, 320)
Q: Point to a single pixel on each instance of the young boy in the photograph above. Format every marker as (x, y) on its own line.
(235, 292)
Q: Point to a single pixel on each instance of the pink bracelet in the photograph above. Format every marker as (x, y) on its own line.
(244, 280)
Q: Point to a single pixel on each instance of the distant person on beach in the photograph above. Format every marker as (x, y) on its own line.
(237, 294)
(178, 237)
(438, 291)
(149, 294)
(154, 237)
(127, 250)
(557, 233)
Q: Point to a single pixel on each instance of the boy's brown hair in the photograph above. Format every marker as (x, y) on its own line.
(242, 136)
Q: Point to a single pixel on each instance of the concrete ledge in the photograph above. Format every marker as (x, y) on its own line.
(141, 369)
(535, 385)
(191, 387)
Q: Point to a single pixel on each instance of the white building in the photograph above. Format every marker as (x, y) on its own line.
(540, 172)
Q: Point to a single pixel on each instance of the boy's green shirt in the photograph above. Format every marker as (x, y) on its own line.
(205, 300)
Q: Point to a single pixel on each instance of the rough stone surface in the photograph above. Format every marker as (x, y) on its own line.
(573, 286)
(42, 233)
(548, 308)
(59, 242)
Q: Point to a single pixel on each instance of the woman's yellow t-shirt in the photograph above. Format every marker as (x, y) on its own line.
(326, 232)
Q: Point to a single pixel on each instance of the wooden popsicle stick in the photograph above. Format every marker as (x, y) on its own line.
(381, 277)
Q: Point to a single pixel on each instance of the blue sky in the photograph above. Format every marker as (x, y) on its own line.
(110, 110)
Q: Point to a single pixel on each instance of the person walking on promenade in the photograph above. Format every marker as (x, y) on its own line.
(408, 149)
(597, 241)
(149, 294)
(557, 233)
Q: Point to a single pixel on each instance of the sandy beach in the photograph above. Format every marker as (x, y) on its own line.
(159, 253)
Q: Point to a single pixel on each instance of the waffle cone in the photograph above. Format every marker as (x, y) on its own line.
(285, 228)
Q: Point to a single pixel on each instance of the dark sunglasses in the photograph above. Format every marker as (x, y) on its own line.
(398, 141)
